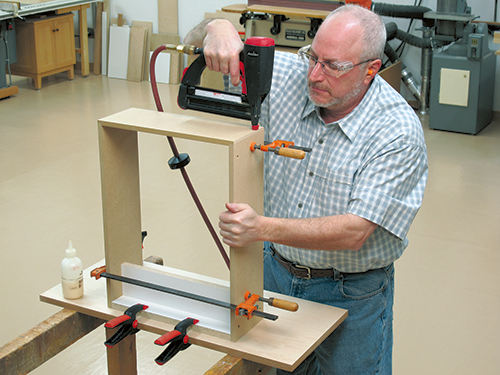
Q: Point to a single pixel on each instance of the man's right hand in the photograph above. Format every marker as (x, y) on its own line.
(222, 46)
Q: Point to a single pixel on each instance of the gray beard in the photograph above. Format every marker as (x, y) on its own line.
(337, 101)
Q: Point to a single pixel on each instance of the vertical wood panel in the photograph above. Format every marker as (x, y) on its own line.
(168, 17)
(120, 202)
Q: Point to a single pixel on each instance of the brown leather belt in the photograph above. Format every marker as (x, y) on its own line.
(303, 271)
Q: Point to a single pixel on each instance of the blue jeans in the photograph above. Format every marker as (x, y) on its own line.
(362, 344)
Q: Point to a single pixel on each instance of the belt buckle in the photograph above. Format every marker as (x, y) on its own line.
(305, 268)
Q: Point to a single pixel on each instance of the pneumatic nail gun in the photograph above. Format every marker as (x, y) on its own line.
(256, 66)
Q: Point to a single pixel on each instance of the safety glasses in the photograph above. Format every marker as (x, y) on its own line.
(333, 69)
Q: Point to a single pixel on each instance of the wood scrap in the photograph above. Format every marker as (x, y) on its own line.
(168, 17)
(98, 40)
(135, 66)
(149, 31)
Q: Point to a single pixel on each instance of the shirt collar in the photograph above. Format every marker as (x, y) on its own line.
(350, 124)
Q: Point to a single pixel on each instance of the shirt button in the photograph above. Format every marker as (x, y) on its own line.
(300, 205)
(320, 141)
(311, 174)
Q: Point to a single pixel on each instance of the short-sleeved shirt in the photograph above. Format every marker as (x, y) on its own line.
(372, 163)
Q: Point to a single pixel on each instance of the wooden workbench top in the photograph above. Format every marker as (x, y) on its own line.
(283, 343)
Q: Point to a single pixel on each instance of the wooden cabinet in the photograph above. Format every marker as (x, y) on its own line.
(45, 46)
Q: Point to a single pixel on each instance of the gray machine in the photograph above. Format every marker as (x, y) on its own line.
(463, 79)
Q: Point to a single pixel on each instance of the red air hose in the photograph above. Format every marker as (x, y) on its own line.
(159, 107)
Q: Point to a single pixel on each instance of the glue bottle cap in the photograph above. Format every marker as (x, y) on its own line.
(70, 251)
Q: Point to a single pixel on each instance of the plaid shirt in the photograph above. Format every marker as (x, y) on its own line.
(372, 163)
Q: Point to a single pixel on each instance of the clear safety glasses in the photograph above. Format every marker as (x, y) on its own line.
(334, 69)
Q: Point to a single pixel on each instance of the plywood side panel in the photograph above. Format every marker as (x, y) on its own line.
(246, 186)
(120, 202)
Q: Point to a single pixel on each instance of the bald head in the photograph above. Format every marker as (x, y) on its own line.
(361, 25)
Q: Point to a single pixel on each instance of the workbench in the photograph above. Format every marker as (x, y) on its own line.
(30, 7)
(284, 343)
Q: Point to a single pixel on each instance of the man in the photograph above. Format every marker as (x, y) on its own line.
(335, 222)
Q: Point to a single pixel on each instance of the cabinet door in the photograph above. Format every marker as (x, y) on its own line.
(44, 46)
(64, 40)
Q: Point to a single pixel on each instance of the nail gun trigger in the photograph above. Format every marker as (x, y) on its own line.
(243, 78)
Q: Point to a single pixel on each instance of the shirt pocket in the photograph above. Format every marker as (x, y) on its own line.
(333, 190)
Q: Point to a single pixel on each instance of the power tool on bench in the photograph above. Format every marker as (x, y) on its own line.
(256, 66)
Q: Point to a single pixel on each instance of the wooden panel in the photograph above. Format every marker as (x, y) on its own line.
(246, 186)
(45, 46)
(104, 43)
(39, 344)
(149, 32)
(137, 47)
(168, 17)
(121, 202)
(284, 343)
(98, 39)
(64, 41)
(187, 127)
(84, 39)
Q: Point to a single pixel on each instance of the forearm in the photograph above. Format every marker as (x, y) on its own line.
(341, 232)
(196, 36)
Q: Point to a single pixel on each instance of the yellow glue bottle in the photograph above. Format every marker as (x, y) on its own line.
(72, 274)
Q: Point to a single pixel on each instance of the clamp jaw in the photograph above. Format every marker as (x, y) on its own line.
(127, 323)
(178, 339)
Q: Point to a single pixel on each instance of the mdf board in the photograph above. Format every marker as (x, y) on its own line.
(121, 193)
(135, 69)
(168, 17)
(149, 32)
(283, 343)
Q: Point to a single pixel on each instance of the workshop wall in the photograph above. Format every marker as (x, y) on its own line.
(191, 12)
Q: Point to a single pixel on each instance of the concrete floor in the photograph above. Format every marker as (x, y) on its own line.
(447, 304)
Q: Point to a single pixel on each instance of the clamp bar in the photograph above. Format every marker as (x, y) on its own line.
(144, 284)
